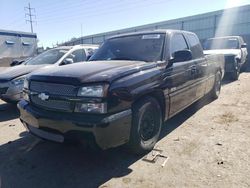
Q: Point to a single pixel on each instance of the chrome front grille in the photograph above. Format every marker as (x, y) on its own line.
(229, 59)
(52, 104)
(53, 88)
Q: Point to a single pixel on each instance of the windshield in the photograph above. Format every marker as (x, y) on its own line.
(226, 43)
(48, 57)
(148, 47)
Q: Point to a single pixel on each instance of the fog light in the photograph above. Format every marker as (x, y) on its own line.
(26, 83)
(91, 108)
(26, 96)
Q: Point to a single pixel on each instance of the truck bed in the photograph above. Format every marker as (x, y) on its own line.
(218, 59)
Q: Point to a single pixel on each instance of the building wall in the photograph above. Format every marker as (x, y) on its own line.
(234, 21)
(16, 45)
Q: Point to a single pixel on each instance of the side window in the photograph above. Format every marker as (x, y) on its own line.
(177, 43)
(241, 41)
(195, 46)
(90, 51)
(78, 55)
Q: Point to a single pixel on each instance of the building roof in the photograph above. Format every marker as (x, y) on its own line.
(153, 26)
(224, 37)
(17, 33)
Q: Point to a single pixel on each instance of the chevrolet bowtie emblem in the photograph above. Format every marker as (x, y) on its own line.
(43, 96)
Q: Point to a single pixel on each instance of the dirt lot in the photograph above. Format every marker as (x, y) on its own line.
(208, 147)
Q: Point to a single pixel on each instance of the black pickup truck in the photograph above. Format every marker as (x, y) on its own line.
(129, 87)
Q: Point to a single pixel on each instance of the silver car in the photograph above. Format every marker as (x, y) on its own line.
(12, 78)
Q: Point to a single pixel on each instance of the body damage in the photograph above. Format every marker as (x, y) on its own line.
(234, 50)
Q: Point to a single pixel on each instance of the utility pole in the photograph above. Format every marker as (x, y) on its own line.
(30, 16)
(81, 35)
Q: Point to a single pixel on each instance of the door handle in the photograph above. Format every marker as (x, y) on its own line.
(193, 69)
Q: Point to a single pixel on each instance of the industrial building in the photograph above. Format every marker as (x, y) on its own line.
(233, 21)
(16, 44)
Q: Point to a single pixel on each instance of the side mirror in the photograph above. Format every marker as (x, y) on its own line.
(88, 57)
(16, 62)
(182, 55)
(67, 61)
(244, 45)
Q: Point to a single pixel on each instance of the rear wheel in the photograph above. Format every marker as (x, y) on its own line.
(217, 86)
(146, 125)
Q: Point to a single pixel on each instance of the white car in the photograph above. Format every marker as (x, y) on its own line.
(234, 50)
(12, 78)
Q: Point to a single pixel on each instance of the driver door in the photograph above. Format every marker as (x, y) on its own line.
(179, 77)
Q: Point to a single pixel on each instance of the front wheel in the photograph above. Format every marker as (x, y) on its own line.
(236, 73)
(217, 86)
(146, 125)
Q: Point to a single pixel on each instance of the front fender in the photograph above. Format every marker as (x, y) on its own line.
(123, 92)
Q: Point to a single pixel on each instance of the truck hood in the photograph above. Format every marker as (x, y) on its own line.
(235, 52)
(16, 71)
(89, 72)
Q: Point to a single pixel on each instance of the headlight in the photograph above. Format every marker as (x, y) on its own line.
(26, 96)
(18, 81)
(100, 108)
(92, 91)
(26, 83)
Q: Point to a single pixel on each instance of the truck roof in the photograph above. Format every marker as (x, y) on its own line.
(224, 37)
(158, 31)
(78, 46)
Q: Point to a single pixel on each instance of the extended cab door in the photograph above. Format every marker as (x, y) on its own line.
(179, 77)
(201, 65)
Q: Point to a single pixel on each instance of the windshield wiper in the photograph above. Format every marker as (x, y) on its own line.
(124, 58)
(119, 59)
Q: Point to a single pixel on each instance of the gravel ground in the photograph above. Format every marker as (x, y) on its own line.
(206, 147)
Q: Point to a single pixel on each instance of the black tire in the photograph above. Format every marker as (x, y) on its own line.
(236, 73)
(146, 125)
(217, 86)
(9, 101)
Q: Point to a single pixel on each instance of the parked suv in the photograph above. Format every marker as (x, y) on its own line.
(234, 50)
(130, 86)
(12, 78)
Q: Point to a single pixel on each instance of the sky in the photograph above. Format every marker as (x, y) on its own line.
(58, 21)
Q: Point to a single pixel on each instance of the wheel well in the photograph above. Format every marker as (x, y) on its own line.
(159, 96)
(219, 70)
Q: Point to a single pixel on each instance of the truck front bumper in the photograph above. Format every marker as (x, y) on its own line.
(107, 130)
(230, 63)
(229, 67)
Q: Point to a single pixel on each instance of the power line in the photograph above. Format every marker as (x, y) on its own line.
(118, 7)
(90, 8)
(59, 6)
(30, 15)
(17, 19)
